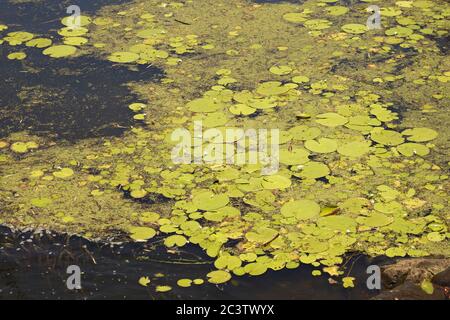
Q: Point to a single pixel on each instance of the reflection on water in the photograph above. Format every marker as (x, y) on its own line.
(33, 266)
(70, 98)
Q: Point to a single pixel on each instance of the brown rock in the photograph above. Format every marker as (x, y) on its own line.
(442, 279)
(410, 291)
(414, 270)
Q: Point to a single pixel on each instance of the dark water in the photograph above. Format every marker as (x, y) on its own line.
(65, 98)
(40, 16)
(33, 266)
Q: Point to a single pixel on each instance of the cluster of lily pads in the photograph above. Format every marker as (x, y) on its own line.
(352, 177)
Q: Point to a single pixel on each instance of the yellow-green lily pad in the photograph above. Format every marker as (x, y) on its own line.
(300, 209)
(60, 51)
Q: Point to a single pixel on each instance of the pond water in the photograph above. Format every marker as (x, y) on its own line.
(86, 155)
(33, 266)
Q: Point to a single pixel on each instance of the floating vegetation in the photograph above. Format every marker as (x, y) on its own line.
(363, 146)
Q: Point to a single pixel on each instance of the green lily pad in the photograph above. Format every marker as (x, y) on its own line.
(295, 17)
(317, 24)
(339, 223)
(123, 57)
(39, 43)
(354, 149)
(375, 219)
(163, 288)
(313, 170)
(72, 32)
(41, 202)
(144, 281)
(142, 233)
(272, 88)
(354, 28)
(386, 137)
(280, 70)
(228, 262)
(19, 147)
(294, 156)
(64, 173)
(300, 209)
(390, 12)
(255, 268)
(261, 235)
(184, 283)
(399, 31)
(427, 286)
(138, 193)
(204, 105)
(17, 56)
(80, 20)
(136, 106)
(209, 201)
(175, 240)
(218, 276)
(276, 182)
(410, 149)
(75, 41)
(337, 10)
(420, 134)
(242, 109)
(348, 282)
(300, 79)
(60, 51)
(322, 145)
(435, 237)
(331, 119)
(303, 132)
(395, 252)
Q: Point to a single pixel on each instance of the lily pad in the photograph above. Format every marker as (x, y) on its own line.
(175, 240)
(313, 170)
(142, 233)
(17, 56)
(354, 149)
(354, 28)
(64, 173)
(322, 145)
(338, 223)
(300, 209)
(410, 149)
(242, 109)
(276, 182)
(39, 43)
(420, 134)
(295, 17)
(41, 202)
(386, 137)
(331, 119)
(294, 156)
(184, 283)
(375, 219)
(280, 70)
(203, 105)
(208, 201)
(144, 281)
(123, 57)
(60, 51)
(218, 276)
(228, 262)
(304, 132)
